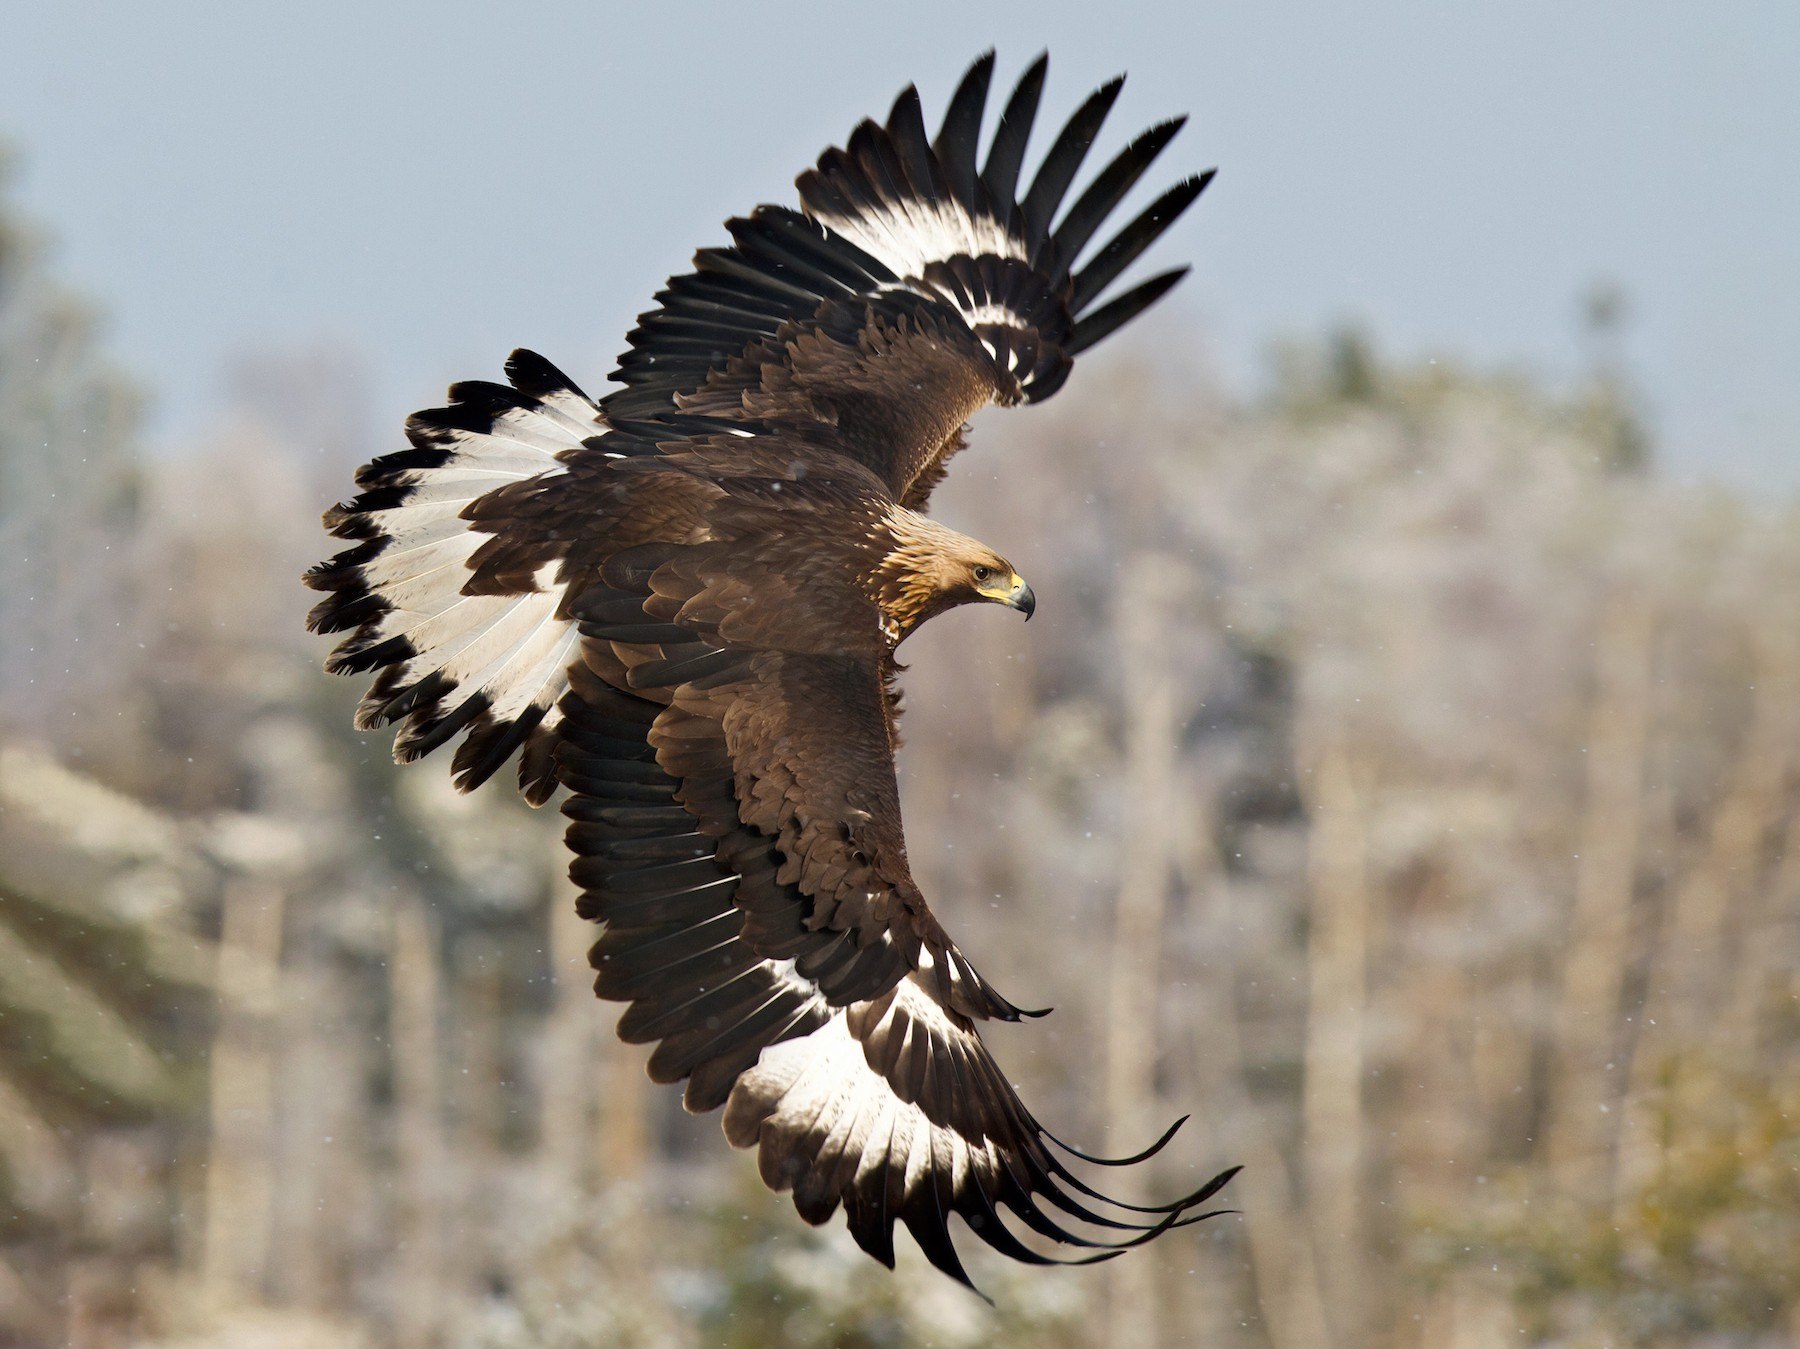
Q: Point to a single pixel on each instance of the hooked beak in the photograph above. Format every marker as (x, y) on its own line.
(1020, 597)
(1013, 593)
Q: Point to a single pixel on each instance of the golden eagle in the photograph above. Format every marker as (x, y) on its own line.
(682, 602)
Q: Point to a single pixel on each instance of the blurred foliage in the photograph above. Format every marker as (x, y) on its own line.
(740, 1273)
(81, 1008)
(1709, 1245)
(104, 1015)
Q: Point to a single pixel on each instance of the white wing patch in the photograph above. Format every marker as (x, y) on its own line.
(909, 235)
(510, 649)
(894, 1110)
(821, 1087)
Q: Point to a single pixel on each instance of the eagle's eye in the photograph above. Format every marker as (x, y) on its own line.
(982, 573)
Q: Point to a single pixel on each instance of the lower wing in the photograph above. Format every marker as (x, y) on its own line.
(841, 1039)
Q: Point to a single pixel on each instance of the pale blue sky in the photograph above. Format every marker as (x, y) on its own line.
(436, 183)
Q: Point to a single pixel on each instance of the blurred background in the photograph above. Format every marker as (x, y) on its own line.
(1399, 776)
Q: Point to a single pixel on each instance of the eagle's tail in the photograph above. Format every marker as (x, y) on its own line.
(447, 593)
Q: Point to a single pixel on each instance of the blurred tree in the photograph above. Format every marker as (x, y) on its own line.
(69, 492)
(1609, 405)
(1351, 363)
(103, 1010)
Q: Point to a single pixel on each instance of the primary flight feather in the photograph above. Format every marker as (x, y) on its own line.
(682, 602)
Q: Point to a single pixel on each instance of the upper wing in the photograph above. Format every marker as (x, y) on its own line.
(914, 288)
(736, 823)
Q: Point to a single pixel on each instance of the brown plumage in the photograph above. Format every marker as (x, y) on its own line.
(682, 604)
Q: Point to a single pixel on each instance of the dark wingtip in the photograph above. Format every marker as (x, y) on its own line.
(1064, 159)
(1128, 244)
(1220, 1181)
(1133, 1160)
(1097, 202)
(1195, 1197)
(537, 376)
(1099, 1259)
(1103, 322)
(907, 96)
(1202, 1217)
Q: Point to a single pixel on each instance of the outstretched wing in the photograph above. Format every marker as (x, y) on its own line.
(913, 288)
(735, 818)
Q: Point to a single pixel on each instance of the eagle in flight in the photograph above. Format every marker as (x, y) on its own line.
(681, 603)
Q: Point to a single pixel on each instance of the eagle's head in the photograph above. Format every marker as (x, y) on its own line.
(925, 569)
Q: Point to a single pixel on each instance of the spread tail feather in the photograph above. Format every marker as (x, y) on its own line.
(460, 616)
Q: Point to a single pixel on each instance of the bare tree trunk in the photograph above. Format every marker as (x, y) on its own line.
(623, 1141)
(239, 1186)
(1583, 1086)
(1288, 1292)
(476, 1096)
(1331, 1095)
(33, 1312)
(418, 1126)
(1134, 985)
(1757, 993)
(571, 1043)
(317, 1107)
(1691, 969)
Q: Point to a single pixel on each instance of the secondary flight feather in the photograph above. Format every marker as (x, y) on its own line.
(681, 603)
